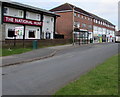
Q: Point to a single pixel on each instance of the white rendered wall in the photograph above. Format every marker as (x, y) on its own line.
(48, 26)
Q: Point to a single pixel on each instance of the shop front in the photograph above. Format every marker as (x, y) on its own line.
(21, 28)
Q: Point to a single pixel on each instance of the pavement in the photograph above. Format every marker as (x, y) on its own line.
(38, 54)
(34, 55)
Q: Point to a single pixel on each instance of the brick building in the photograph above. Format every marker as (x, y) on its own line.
(72, 18)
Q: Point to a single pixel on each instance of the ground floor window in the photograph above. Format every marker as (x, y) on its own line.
(32, 33)
(11, 32)
(14, 31)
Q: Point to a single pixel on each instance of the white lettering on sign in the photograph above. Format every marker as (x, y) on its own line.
(22, 21)
(37, 23)
(9, 19)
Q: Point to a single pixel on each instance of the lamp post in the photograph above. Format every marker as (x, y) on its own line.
(73, 26)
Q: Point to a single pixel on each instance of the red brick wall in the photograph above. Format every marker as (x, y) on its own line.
(64, 24)
(85, 21)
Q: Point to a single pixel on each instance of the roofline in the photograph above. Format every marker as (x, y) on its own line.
(71, 11)
(30, 7)
(93, 16)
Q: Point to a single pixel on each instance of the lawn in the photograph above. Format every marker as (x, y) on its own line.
(7, 52)
(102, 80)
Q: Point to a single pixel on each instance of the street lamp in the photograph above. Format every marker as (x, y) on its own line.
(73, 25)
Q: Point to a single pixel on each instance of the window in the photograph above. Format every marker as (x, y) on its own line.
(32, 33)
(76, 24)
(95, 28)
(88, 18)
(95, 21)
(48, 21)
(38, 16)
(83, 25)
(90, 27)
(6, 10)
(27, 14)
(20, 13)
(51, 19)
(78, 15)
(75, 14)
(11, 32)
(82, 16)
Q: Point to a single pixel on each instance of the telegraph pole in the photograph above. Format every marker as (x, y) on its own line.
(73, 27)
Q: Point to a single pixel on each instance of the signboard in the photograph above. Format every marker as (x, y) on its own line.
(19, 31)
(76, 32)
(21, 21)
(99, 35)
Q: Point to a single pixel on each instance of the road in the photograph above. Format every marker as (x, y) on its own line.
(44, 77)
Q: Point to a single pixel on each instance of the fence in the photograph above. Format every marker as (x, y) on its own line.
(29, 43)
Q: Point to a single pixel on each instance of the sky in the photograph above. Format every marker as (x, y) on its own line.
(107, 9)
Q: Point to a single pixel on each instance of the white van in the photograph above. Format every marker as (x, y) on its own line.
(117, 39)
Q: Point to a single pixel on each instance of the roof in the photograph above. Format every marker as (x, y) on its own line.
(101, 19)
(28, 6)
(68, 6)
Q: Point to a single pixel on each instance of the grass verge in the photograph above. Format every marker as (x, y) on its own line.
(102, 80)
(7, 52)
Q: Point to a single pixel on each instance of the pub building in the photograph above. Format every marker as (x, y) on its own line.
(22, 21)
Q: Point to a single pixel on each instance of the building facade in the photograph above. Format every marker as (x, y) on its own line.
(72, 18)
(21, 21)
(103, 30)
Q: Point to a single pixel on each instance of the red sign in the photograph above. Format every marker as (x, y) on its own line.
(21, 21)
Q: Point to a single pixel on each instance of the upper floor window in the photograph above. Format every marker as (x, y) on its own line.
(51, 19)
(95, 21)
(27, 14)
(90, 27)
(6, 10)
(38, 16)
(88, 18)
(83, 25)
(82, 16)
(20, 13)
(75, 14)
(76, 24)
(78, 15)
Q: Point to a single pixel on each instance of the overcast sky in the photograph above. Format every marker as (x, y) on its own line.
(107, 9)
